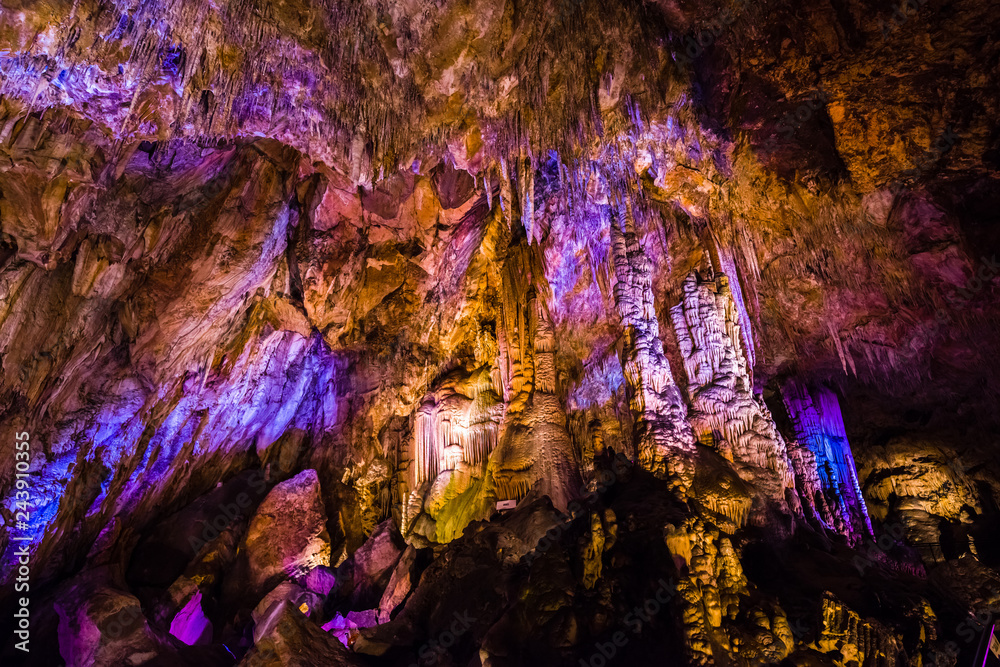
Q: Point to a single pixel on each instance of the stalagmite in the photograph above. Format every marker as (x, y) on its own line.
(332, 333)
(664, 437)
(723, 404)
(859, 641)
(535, 449)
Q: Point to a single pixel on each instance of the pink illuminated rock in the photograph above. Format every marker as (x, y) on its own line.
(431, 266)
(320, 580)
(345, 627)
(102, 626)
(190, 624)
(403, 579)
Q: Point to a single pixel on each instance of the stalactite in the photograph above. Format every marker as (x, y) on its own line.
(506, 195)
(426, 449)
(521, 271)
(526, 181)
(818, 423)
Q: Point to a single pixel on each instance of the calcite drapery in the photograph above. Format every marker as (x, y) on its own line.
(815, 413)
(500, 431)
(180, 304)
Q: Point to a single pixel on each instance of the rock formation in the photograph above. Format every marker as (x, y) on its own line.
(664, 440)
(820, 428)
(499, 334)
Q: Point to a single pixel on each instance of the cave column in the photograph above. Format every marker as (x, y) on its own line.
(723, 408)
(665, 442)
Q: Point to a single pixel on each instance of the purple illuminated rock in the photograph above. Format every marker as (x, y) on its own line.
(190, 624)
(345, 627)
(104, 626)
(320, 580)
(819, 425)
(289, 639)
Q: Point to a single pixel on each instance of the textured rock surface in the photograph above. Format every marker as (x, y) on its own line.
(708, 291)
(364, 575)
(289, 638)
(820, 427)
(102, 625)
(664, 437)
(287, 535)
(404, 578)
(720, 387)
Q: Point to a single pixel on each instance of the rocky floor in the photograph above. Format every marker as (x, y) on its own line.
(630, 574)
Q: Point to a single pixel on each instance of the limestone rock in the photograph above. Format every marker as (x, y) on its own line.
(404, 578)
(101, 625)
(288, 638)
(287, 535)
(363, 577)
(665, 436)
(307, 603)
(724, 410)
